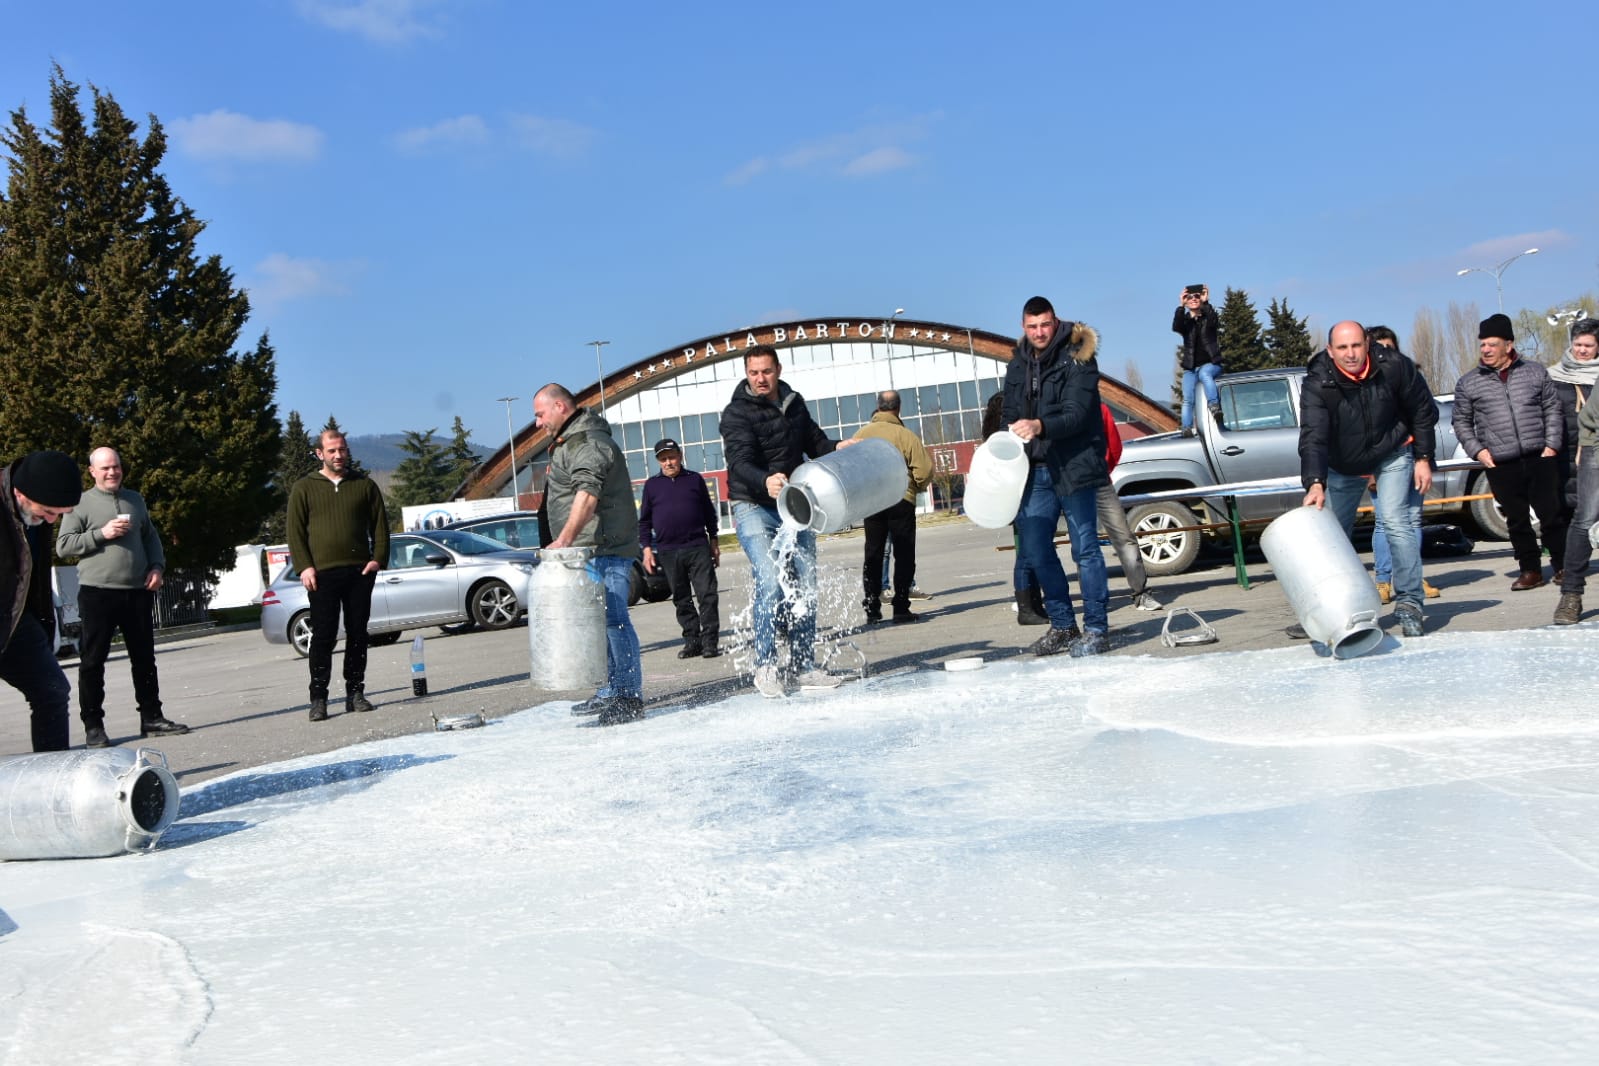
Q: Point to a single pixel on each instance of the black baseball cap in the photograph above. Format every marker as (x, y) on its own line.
(666, 445)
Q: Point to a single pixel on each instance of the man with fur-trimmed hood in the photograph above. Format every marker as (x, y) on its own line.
(1052, 403)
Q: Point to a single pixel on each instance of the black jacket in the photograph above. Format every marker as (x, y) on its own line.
(761, 438)
(1201, 336)
(1351, 426)
(24, 567)
(1061, 389)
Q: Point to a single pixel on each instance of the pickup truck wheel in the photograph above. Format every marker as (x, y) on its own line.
(1163, 552)
(1486, 515)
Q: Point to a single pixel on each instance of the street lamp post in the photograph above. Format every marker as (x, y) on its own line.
(1497, 272)
(888, 342)
(510, 436)
(600, 368)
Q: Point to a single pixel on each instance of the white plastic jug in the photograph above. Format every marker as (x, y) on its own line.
(996, 479)
(845, 486)
(1324, 580)
(566, 621)
(84, 804)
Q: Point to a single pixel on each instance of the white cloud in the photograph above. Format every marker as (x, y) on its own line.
(878, 161)
(280, 278)
(379, 21)
(226, 135)
(555, 137)
(451, 133)
(1504, 247)
(865, 152)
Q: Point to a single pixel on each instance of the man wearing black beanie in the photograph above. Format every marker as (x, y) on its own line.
(37, 490)
(1508, 417)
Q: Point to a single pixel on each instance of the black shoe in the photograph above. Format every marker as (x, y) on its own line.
(874, 611)
(711, 652)
(1030, 609)
(1215, 413)
(619, 709)
(1055, 641)
(690, 651)
(592, 705)
(1090, 643)
(355, 702)
(319, 710)
(904, 614)
(94, 737)
(1296, 632)
(1190, 431)
(161, 727)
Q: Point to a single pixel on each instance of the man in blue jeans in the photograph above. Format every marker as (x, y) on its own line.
(767, 432)
(1198, 324)
(1052, 403)
(588, 498)
(1370, 413)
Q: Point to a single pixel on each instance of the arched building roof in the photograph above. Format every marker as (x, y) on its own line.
(493, 475)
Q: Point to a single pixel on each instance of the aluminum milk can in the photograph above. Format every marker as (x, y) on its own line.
(84, 804)
(845, 486)
(566, 621)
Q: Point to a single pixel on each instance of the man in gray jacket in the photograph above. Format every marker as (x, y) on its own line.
(120, 561)
(1508, 418)
(588, 498)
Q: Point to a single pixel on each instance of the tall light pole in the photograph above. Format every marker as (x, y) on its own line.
(510, 436)
(1497, 272)
(888, 342)
(600, 368)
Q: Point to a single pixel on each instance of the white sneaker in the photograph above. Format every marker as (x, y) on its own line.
(768, 682)
(1146, 601)
(818, 679)
(917, 594)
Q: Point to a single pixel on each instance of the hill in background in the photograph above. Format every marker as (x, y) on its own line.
(380, 453)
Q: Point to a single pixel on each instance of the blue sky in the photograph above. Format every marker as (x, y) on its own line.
(435, 203)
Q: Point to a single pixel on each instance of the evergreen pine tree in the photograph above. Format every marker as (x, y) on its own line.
(296, 458)
(1287, 338)
(463, 460)
(115, 332)
(425, 475)
(1241, 346)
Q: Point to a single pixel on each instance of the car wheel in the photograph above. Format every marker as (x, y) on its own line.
(1486, 514)
(1165, 552)
(383, 640)
(493, 605)
(300, 633)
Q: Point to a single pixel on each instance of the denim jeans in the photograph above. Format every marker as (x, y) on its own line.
(29, 665)
(623, 673)
(1579, 550)
(756, 526)
(1035, 525)
(1205, 375)
(1398, 503)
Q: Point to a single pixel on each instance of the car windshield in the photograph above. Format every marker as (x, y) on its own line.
(463, 543)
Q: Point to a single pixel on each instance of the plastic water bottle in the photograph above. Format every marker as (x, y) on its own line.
(419, 670)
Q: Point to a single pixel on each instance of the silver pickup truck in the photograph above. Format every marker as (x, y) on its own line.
(1260, 442)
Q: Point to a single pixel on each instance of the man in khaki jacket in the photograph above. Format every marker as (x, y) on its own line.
(896, 524)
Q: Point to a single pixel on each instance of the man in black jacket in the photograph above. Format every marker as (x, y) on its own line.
(1199, 326)
(1364, 414)
(1052, 403)
(38, 489)
(767, 432)
(677, 528)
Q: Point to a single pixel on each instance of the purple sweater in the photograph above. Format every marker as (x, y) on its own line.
(676, 513)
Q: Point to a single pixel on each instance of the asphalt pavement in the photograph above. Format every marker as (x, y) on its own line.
(246, 699)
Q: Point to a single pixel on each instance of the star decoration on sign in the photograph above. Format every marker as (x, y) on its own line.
(638, 375)
(916, 333)
(944, 337)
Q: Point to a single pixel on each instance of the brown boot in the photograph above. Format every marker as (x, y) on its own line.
(1569, 611)
(1529, 579)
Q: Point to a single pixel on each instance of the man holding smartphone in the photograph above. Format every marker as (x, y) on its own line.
(1200, 328)
(120, 561)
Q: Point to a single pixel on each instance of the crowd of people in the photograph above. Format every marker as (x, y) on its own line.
(1367, 421)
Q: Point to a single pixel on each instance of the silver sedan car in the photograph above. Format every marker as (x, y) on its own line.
(444, 577)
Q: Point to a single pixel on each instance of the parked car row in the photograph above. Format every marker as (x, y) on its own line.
(520, 529)
(439, 578)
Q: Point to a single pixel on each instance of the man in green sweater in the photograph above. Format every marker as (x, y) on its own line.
(120, 562)
(338, 541)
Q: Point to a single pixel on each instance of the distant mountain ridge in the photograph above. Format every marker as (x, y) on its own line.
(380, 453)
